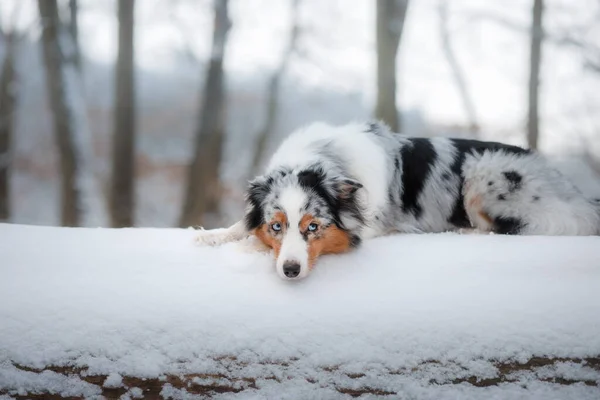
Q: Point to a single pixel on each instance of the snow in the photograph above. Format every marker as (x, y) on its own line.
(136, 393)
(113, 380)
(421, 315)
(47, 381)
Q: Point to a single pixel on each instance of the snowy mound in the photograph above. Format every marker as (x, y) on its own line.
(142, 312)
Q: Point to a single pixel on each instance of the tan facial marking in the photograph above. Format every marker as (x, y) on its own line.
(330, 240)
(305, 221)
(265, 235)
(280, 217)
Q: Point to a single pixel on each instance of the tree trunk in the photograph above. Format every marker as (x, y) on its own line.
(391, 15)
(122, 193)
(537, 34)
(8, 95)
(203, 187)
(80, 197)
(457, 73)
(273, 93)
(74, 30)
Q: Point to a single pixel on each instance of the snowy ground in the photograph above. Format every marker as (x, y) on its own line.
(89, 312)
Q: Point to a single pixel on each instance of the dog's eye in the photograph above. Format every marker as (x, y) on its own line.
(312, 227)
(276, 226)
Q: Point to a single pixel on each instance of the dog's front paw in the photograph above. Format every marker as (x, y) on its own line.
(213, 237)
(252, 244)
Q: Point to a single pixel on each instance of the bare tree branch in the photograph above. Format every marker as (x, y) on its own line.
(81, 199)
(188, 38)
(8, 99)
(122, 193)
(203, 186)
(74, 29)
(590, 51)
(391, 15)
(457, 73)
(273, 90)
(498, 20)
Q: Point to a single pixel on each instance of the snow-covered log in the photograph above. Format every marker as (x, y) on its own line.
(143, 312)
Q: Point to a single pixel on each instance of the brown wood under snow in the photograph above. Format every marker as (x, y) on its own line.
(200, 384)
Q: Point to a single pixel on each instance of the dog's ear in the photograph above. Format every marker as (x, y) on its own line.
(346, 188)
(258, 188)
(349, 206)
(257, 191)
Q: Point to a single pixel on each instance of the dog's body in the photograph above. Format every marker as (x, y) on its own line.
(328, 188)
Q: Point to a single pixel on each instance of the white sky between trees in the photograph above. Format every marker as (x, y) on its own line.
(338, 45)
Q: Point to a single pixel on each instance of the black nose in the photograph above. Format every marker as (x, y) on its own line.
(291, 269)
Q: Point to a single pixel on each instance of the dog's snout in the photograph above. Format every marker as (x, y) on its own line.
(291, 269)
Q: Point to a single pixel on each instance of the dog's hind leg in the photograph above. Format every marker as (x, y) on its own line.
(521, 194)
(216, 237)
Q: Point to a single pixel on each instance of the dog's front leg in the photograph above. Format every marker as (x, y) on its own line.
(216, 237)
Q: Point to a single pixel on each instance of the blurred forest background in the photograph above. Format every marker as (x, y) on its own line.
(157, 112)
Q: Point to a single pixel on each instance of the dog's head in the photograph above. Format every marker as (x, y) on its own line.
(302, 214)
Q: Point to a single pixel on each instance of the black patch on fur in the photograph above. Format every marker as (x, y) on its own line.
(255, 195)
(501, 197)
(311, 179)
(337, 201)
(514, 179)
(490, 183)
(417, 162)
(466, 146)
(397, 163)
(445, 176)
(535, 198)
(314, 179)
(459, 216)
(507, 225)
(463, 147)
(355, 241)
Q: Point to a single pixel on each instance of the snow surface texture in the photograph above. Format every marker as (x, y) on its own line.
(440, 316)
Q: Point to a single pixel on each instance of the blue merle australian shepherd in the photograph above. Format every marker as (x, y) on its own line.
(327, 188)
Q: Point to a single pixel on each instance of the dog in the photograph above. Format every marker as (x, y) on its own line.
(328, 188)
